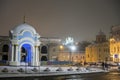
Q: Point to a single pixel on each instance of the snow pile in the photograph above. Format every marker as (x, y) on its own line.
(45, 69)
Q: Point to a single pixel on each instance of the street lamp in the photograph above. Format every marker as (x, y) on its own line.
(73, 48)
(69, 42)
(61, 47)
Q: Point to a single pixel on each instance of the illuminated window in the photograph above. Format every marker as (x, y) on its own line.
(114, 49)
(88, 55)
(104, 50)
(54, 49)
(83, 57)
(118, 49)
(99, 55)
(99, 49)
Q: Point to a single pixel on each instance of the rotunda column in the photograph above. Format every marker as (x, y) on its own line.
(35, 61)
(36, 56)
(14, 56)
(12, 53)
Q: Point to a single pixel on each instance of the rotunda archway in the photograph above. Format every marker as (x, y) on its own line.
(26, 53)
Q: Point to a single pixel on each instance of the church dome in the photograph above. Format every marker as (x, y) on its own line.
(18, 29)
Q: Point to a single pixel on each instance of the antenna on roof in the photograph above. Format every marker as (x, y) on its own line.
(24, 19)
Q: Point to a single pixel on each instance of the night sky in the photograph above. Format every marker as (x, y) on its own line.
(80, 19)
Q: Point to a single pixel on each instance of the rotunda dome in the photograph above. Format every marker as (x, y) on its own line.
(21, 27)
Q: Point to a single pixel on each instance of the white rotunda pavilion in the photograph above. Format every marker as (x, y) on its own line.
(24, 46)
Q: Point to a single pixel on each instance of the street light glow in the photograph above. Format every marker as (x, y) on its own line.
(61, 47)
(73, 48)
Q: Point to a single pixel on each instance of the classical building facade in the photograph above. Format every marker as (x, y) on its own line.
(4, 48)
(99, 50)
(24, 46)
(65, 54)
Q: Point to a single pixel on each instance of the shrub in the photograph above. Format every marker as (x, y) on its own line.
(5, 70)
(34, 69)
(20, 70)
(47, 69)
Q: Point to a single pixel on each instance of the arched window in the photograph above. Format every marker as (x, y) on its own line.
(44, 50)
(44, 58)
(88, 56)
(5, 48)
(5, 57)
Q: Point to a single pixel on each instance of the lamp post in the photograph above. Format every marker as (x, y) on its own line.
(61, 47)
(69, 42)
(72, 49)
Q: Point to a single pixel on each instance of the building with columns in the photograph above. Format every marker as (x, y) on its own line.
(24, 46)
(4, 48)
(24, 43)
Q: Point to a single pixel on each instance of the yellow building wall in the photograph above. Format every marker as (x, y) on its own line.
(98, 52)
(75, 57)
(114, 50)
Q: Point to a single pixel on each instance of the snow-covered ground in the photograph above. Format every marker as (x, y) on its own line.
(21, 71)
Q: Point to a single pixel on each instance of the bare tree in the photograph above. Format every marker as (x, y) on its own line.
(82, 45)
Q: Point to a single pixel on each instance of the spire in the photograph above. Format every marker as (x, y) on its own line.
(100, 32)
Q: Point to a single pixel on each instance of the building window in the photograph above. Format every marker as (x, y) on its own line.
(88, 55)
(54, 49)
(107, 50)
(114, 49)
(5, 48)
(99, 49)
(44, 58)
(5, 57)
(104, 50)
(44, 50)
(83, 57)
(99, 55)
(118, 49)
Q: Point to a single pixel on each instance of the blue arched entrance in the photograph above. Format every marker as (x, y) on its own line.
(26, 53)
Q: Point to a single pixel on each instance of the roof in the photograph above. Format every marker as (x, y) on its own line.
(21, 27)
